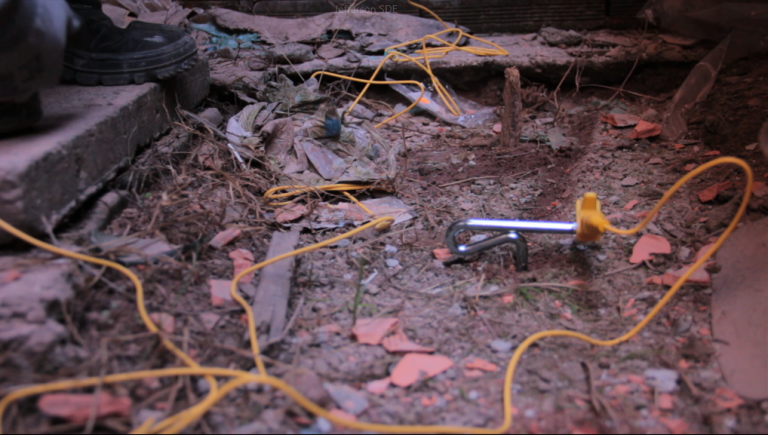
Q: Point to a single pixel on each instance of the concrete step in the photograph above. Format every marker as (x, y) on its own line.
(87, 136)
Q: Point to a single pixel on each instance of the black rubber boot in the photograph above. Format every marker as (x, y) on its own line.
(19, 116)
(101, 53)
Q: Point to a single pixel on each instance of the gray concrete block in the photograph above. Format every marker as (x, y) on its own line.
(87, 136)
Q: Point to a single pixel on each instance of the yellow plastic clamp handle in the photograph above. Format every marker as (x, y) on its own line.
(591, 220)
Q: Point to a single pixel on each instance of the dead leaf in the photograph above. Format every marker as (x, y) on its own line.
(224, 238)
(690, 167)
(481, 364)
(630, 313)
(585, 430)
(373, 331)
(497, 128)
(378, 387)
(9, 276)
(676, 426)
(712, 153)
(220, 292)
(429, 401)
(621, 390)
(645, 129)
(442, 254)
(759, 189)
(666, 402)
(700, 276)
(242, 260)
(77, 408)
(655, 161)
(654, 280)
(621, 120)
(416, 366)
(702, 252)
(711, 192)
(630, 303)
(751, 146)
(473, 374)
(647, 245)
(290, 212)
(630, 205)
(399, 343)
(508, 299)
(165, 321)
(727, 399)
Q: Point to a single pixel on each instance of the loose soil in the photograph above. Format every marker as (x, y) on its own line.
(447, 174)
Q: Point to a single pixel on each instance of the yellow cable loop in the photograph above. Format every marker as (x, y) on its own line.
(368, 83)
(238, 378)
(427, 54)
(290, 191)
(140, 299)
(427, 10)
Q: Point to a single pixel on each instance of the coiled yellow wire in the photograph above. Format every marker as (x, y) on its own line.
(426, 55)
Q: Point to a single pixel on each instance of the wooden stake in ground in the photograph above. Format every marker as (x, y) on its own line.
(270, 306)
(511, 118)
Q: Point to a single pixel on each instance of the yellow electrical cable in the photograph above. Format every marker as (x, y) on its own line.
(428, 53)
(290, 191)
(179, 422)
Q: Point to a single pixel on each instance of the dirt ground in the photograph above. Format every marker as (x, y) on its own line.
(479, 307)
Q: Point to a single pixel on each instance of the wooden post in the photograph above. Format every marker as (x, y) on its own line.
(511, 118)
(270, 306)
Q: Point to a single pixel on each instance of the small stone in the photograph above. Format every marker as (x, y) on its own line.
(555, 36)
(477, 238)
(323, 426)
(212, 115)
(602, 257)
(530, 413)
(614, 200)
(203, 387)
(684, 253)
(372, 289)
(649, 114)
(353, 57)
(390, 249)
(342, 243)
(473, 395)
(566, 242)
(630, 181)
(309, 384)
(254, 386)
(456, 310)
(392, 263)
(145, 414)
(501, 346)
(348, 399)
(663, 380)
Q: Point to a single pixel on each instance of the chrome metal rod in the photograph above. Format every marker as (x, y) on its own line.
(510, 234)
(513, 238)
(517, 226)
